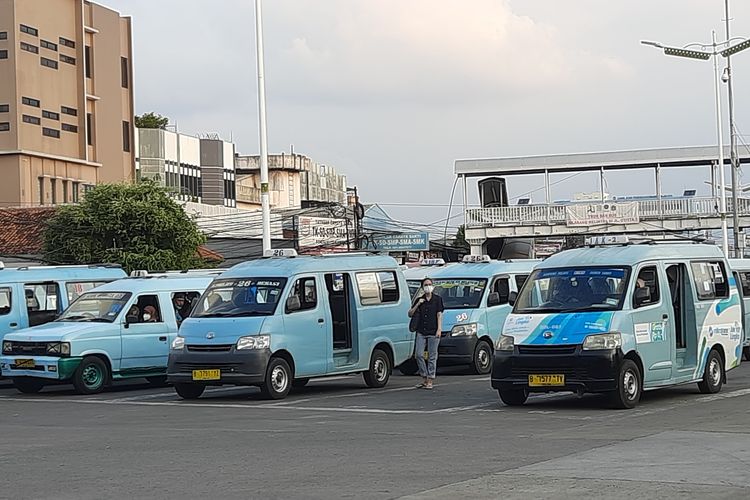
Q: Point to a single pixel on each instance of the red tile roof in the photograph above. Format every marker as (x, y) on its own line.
(209, 255)
(22, 230)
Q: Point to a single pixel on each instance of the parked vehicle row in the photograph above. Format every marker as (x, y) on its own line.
(614, 317)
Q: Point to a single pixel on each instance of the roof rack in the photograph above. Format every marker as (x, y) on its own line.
(142, 273)
(624, 240)
(71, 266)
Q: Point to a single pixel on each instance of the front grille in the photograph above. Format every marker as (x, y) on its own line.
(27, 348)
(35, 368)
(547, 350)
(224, 367)
(210, 348)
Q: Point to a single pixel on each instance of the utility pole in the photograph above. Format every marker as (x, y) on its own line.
(265, 202)
(739, 244)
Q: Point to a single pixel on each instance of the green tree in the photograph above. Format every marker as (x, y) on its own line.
(135, 225)
(460, 240)
(151, 120)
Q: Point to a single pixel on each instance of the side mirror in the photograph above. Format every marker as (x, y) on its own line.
(512, 297)
(493, 299)
(642, 296)
(293, 304)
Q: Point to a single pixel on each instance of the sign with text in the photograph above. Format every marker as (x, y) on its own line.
(323, 232)
(402, 242)
(597, 214)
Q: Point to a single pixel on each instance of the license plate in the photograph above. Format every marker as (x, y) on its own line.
(546, 380)
(25, 363)
(206, 374)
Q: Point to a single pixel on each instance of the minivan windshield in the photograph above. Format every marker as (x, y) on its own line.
(460, 293)
(573, 289)
(101, 307)
(240, 297)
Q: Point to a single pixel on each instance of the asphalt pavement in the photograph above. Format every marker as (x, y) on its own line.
(337, 439)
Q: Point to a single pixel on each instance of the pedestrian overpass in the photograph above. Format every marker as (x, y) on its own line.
(658, 214)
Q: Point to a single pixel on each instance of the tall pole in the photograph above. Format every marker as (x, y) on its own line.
(264, 199)
(719, 134)
(739, 249)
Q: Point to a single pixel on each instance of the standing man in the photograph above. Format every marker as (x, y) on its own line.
(429, 309)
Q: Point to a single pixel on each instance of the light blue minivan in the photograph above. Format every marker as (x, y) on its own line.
(119, 330)
(278, 321)
(741, 272)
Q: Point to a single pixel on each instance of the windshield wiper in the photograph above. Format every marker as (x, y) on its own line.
(590, 306)
(235, 314)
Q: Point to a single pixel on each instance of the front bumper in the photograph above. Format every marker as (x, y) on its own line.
(245, 367)
(46, 367)
(456, 350)
(584, 371)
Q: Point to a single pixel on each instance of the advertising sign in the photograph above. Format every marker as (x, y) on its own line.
(402, 242)
(323, 232)
(596, 214)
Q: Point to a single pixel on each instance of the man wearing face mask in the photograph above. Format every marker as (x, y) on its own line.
(429, 309)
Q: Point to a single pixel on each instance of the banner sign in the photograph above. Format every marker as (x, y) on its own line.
(323, 232)
(596, 214)
(402, 242)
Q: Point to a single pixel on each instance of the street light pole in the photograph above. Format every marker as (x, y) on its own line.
(264, 198)
(720, 139)
(739, 245)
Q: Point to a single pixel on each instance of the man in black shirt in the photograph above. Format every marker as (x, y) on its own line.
(429, 309)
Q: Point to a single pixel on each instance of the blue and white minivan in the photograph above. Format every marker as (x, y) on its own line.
(278, 321)
(621, 318)
(415, 275)
(475, 294)
(120, 330)
(741, 272)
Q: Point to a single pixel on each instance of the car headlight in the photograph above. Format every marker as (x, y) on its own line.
(254, 342)
(464, 330)
(505, 343)
(178, 343)
(7, 346)
(603, 341)
(58, 348)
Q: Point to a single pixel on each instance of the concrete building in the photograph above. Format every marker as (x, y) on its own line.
(66, 100)
(294, 180)
(196, 169)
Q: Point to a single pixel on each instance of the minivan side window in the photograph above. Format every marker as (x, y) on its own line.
(710, 279)
(520, 280)
(5, 301)
(502, 287)
(304, 289)
(41, 302)
(145, 310)
(77, 289)
(648, 279)
(745, 282)
(378, 288)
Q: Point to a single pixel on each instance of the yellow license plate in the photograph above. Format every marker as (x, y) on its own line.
(546, 380)
(206, 374)
(25, 363)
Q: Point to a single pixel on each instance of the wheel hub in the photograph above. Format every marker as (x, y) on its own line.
(379, 369)
(714, 372)
(91, 376)
(630, 383)
(279, 379)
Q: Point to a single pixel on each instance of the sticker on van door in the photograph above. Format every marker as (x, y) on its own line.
(650, 332)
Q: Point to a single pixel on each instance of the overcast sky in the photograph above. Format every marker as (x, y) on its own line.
(390, 92)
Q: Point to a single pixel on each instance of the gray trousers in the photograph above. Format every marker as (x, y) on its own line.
(432, 341)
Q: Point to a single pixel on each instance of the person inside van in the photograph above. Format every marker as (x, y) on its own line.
(134, 315)
(178, 302)
(150, 315)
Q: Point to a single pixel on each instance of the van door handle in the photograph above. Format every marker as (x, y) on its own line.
(321, 320)
(14, 325)
(162, 339)
(665, 316)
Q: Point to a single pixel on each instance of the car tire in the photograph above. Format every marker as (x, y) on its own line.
(380, 370)
(278, 380)
(409, 367)
(629, 386)
(28, 385)
(189, 391)
(713, 374)
(299, 383)
(482, 361)
(159, 381)
(513, 397)
(91, 376)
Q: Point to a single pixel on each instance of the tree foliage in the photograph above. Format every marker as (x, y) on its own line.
(460, 239)
(135, 225)
(151, 120)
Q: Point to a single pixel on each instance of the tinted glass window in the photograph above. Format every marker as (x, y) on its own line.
(646, 287)
(745, 282)
(710, 280)
(5, 301)
(305, 290)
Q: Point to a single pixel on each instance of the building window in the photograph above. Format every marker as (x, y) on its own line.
(29, 30)
(124, 73)
(69, 128)
(3, 54)
(29, 48)
(68, 59)
(50, 132)
(89, 129)
(68, 43)
(53, 189)
(34, 120)
(68, 111)
(41, 190)
(3, 35)
(126, 136)
(4, 126)
(87, 61)
(28, 101)
(75, 192)
(4, 108)
(65, 191)
(48, 45)
(50, 115)
(49, 63)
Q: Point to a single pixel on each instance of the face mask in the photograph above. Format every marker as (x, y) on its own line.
(429, 289)
(146, 317)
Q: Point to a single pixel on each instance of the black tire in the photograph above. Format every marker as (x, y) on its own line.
(713, 374)
(380, 370)
(28, 385)
(515, 397)
(159, 381)
(91, 376)
(482, 361)
(278, 381)
(409, 367)
(189, 391)
(746, 353)
(629, 386)
(299, 383)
